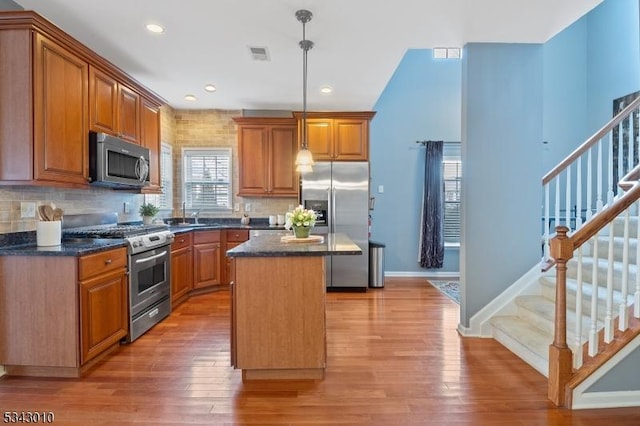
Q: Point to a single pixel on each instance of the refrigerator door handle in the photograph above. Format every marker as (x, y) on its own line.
(333, 210)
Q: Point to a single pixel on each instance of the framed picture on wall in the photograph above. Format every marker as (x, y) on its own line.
(625, 139)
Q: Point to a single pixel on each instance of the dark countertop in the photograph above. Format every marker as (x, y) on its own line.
(272, 246)
(24, 243)
(67, 248)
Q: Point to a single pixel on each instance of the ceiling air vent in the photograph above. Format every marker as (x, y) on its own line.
(259, 53)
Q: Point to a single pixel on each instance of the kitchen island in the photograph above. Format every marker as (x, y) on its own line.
(278, 327)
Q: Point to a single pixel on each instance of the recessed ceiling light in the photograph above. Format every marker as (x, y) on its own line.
(190, 98)
(325, 90)
(155, 28)
(210, 88)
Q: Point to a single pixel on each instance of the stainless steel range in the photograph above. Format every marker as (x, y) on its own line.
(149, 265)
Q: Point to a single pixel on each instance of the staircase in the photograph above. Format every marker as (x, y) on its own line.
(579, 316)
(529, 328)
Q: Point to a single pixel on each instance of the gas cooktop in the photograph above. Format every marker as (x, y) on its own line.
(112, 231)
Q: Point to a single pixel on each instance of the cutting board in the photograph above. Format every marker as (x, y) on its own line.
(309, 239)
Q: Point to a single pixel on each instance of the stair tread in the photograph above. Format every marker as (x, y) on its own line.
(532, 337)
(545, 308)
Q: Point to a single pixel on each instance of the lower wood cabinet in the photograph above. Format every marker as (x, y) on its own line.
(181, 267)
(63, 313)
(206, 259)
(234, 238)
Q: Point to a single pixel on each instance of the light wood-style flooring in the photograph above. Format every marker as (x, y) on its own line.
(394, 358)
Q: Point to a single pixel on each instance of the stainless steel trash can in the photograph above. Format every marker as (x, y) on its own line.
(376, 264)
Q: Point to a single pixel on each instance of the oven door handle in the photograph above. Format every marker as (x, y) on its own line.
(149, 259)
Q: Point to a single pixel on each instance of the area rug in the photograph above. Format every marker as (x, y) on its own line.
(451, 289)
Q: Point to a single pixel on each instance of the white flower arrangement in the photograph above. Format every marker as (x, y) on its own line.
(300, 217)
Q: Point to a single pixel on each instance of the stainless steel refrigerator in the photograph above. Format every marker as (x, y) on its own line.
(339, 193)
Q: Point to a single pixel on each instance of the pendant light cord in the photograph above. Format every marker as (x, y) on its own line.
(304, 16)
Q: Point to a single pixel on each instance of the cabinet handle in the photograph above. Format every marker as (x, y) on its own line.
(182, 240)
(108, 262)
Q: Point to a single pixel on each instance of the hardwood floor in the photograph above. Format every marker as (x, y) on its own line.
(394, 358)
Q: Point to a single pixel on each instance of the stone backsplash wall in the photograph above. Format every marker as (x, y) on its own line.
(15, 199)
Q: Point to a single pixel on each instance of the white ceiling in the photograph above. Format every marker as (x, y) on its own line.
(358, 43)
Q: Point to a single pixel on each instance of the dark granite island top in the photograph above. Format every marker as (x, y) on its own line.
(278, 291)
(272, 246)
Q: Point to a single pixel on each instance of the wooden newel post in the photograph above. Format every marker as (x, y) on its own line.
(560, 356)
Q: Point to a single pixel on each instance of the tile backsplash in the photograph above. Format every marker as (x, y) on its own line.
(71, 201)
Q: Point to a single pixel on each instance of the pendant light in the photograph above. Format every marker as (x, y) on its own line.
(304, 159)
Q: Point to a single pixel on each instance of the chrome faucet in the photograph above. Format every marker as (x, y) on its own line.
(196, 215)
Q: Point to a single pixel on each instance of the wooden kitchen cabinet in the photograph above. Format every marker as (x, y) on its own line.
(104, 312)
(114, 108)
(181, 267)
(337, 136)
(64, 314)
(53, 90)
(206, 259)
(234, 237)
(43, 122)
(266, 152)
(150, 138)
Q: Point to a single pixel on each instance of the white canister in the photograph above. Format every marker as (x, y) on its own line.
(273, 220)
(48, 233)
(280, 219)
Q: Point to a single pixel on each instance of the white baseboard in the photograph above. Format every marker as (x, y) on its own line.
(592, 400)
(478, 323)
(434, 275)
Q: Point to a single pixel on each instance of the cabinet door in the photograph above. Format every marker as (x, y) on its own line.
(103, 102)
(60, 114)
(350, 140)
(128, 114)
(103, 313)
(283, 180)
(181, 273)
(206, 262)
(150, 138)
(319, 138)
(253, 151)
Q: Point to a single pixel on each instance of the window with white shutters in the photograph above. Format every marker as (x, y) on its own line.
(165, 200)
(452, 176)
(207, 178)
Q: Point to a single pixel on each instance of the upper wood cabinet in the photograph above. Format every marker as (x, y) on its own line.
(337, 136)
(53, 90)
(43, 123)
(150, 138)
(266, 152)
(114, 108)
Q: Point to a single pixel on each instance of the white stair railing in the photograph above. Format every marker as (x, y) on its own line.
(574, 200)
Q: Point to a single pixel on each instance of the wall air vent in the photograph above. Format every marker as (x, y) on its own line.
(259, 53)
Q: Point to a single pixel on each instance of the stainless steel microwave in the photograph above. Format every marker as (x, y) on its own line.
(116, 163)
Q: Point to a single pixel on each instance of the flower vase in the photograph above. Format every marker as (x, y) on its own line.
(301, 231)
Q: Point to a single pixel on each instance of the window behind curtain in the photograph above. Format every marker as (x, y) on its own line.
(207, 178)
(452, 179)
(165, 200)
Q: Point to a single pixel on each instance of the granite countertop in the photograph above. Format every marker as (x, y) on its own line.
(272, 246)
(24, 243)
(73, 247)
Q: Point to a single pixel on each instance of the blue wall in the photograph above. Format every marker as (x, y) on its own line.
(501, 163)
(421, 101)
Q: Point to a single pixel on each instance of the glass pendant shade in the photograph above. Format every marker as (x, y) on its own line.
(304, 158)
(304, 168)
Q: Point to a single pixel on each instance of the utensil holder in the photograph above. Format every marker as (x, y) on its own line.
(48, 233)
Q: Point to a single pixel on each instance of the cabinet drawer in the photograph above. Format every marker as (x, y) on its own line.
(237, 235)
(98, 263)
(181, 241)
(203, 237)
